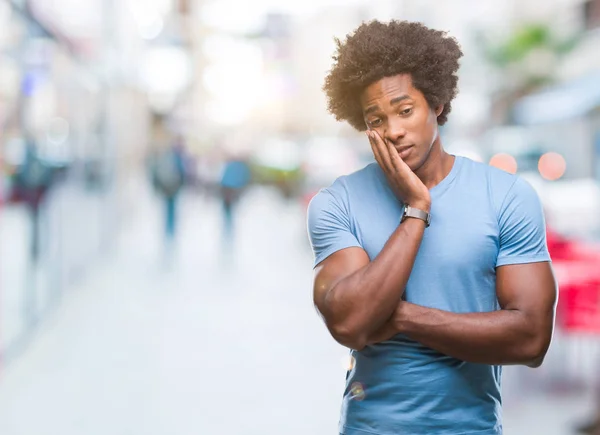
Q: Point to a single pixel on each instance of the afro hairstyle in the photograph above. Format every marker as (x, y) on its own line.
(376, 50)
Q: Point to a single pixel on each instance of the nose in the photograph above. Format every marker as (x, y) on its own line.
(395, 131)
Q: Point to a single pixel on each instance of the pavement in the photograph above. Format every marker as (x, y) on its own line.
(218, 336)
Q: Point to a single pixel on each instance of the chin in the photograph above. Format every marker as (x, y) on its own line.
(411, 164)
(415, 163)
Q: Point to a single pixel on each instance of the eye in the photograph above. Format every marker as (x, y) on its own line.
(407, 111)
(375, 122)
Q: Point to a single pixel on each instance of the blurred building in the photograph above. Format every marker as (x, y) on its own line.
(82, 81)
(73, 87)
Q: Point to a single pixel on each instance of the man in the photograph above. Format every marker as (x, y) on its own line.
(431, 267)
(234, 180)
(168, 177)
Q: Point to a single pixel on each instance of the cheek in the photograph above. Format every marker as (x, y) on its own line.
(431, 122)
(425, 131)
(423, 125)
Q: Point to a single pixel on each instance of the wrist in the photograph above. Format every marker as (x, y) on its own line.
(420, 212)
(421, 205)
(401, 317)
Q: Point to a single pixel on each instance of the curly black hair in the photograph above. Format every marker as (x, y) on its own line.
(376, 50)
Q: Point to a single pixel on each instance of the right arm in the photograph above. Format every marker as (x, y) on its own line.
(356, 296)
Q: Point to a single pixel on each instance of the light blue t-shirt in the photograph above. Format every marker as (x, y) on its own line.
(481, 218)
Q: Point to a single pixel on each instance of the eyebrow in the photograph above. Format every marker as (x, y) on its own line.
(392, 103)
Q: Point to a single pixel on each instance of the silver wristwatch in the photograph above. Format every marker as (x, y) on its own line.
(411, 212)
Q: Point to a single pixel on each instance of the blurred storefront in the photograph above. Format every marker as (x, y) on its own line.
(540, 77)
(66, 104)
(564, 118)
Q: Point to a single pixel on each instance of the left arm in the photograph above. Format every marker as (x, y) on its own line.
(521, 331)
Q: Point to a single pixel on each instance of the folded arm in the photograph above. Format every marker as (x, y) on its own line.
(356, 296)
(519, 333)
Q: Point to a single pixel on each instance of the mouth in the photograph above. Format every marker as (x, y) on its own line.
(404, 149)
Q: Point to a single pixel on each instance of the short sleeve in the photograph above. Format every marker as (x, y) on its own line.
(329, 228)
(522, 227)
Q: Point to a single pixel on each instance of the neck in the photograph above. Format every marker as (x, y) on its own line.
(437, 166)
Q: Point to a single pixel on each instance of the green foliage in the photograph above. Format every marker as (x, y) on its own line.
(523, 41)
(267, 175)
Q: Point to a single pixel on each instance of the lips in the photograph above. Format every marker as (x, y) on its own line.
(403, 148)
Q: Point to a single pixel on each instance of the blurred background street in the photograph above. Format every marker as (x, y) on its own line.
(157, 157)
(216, 343)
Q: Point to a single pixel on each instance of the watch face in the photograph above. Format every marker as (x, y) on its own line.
(416, 213)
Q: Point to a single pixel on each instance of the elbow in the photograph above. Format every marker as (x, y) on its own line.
(534, 364)
(348, 336)
(536, 361)
(536, 352)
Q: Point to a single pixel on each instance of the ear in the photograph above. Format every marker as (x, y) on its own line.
(439, 109)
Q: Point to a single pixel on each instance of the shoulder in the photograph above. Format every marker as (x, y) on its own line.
(513, 197)
(496, 177)
(344, 186)
(357, 178)
(501, 186)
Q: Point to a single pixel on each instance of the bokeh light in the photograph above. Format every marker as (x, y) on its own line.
(358, 391)
(552, 166)
(348, 362)
(504, 161)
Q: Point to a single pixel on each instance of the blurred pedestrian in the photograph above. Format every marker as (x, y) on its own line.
(432, 268)
(169, 176)
(234, 180)
(32, 181)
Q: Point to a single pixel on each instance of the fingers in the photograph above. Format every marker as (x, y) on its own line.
(374, 148)
(380, 151)
(397, 162)
(394, 161)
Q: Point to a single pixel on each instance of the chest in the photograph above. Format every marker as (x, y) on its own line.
(463, 235)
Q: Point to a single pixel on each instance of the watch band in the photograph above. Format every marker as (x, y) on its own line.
(411, 212)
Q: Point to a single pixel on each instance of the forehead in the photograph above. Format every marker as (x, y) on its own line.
(388, 88)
